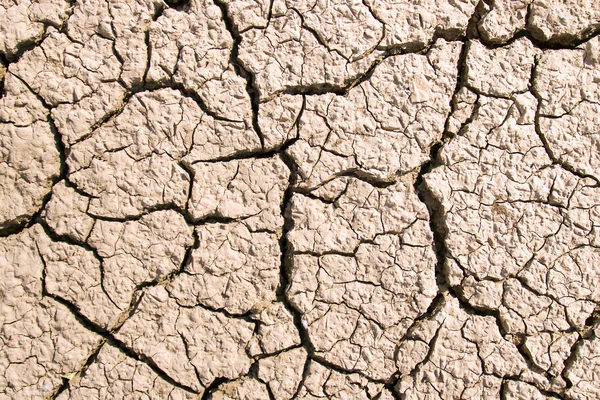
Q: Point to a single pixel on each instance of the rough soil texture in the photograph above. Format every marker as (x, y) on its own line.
(277, 199)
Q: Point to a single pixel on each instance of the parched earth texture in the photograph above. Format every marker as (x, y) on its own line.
(326, 199)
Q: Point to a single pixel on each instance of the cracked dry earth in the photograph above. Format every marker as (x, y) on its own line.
(341, 199)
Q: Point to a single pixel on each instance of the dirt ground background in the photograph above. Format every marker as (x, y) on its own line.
(312, 199)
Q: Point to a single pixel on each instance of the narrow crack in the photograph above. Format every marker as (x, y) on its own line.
(547, 147)
(68, 240)
(437, 218)
(25, 221)
(286, 261)
(555, 44)
(286, 265)
(80, 371)
(108, 336)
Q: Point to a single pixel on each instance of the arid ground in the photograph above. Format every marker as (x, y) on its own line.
(310, 199)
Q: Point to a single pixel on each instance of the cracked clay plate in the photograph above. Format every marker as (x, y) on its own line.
(278, 199)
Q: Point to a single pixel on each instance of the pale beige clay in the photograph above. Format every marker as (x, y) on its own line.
(277, 199)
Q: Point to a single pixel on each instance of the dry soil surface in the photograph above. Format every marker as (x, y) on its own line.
(326, 199)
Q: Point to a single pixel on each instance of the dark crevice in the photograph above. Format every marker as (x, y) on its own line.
(503, 395)
(343, 89)
(434, 308)
(440, 231)
(288, 225)
(540, 44)
(110, 115)
(434, 206)
(420, 48)
(284, 245)
(432, 346)
(285, 281)
(481, 9)
(192, 176)
(248, 316)
(145, 212)
(286, 263)
(519, 343)
(68, 183)
(461, 82)
(149, 362)
(185, 92)
(340, 90)
(217, 219)
(179, 5)
(314, 90)
(148, 56)
(253, 374)
(22, 48)
(308, 193)
(561, 41)
(535, 35)
(437, 218)
(275, 353)
(241, 70)
(389, 51)
(270, 12)
(327, 88)
(360, 175)
(343, 371)
(186, 346)
(316, 35)
(141, 88)
(270, 392)
(305, 373)
(186, 260)
(21, 223)
(30, 44)
(587, 334)
(213, 387)
(3, 68)
(245, 155)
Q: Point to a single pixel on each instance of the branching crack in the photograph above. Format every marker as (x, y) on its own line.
(107, 334)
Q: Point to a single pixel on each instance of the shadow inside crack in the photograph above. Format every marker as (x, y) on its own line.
(179, 5)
